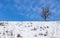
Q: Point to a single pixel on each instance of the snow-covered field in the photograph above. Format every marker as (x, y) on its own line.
(30, 29)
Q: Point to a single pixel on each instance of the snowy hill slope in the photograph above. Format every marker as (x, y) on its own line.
(29, 29)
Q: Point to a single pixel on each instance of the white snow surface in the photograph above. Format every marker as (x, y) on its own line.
(30, 29)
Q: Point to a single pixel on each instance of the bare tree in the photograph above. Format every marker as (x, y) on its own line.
(45, 13)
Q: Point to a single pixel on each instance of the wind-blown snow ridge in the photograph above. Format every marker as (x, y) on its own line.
(29, 29)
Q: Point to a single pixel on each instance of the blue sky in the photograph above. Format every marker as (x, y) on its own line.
(28, 10)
